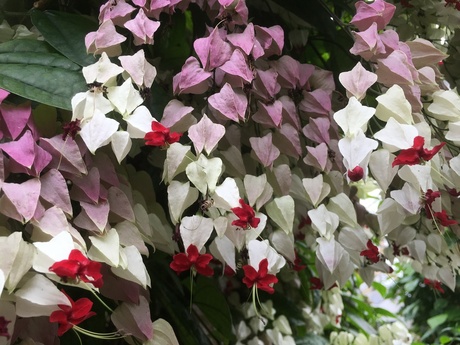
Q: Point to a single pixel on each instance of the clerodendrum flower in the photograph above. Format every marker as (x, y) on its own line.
(261, 278)
(79, 267)
(444, 219)
(434, 284)
(72, 315)
(371, 253)
(247, 217)
(417, 153)
(355, 174)
(161, 136)
(192, 260)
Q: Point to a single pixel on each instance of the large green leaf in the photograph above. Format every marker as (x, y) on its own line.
(212, 303)
(66, 33)
(33, 70)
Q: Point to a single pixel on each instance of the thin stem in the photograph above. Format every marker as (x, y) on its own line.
(100, 300)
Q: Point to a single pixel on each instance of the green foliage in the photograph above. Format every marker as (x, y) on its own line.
(435, 316)
(212, 303)
(34, 70)
(66, 33)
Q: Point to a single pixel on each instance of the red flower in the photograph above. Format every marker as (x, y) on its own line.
(356, 174)
(303, 222)
(70, 129)
(316, 283)
(430, 197)
(371, 253)
(298, 263)
(246, 215)
(4, 328)
(443, 218)
(453, 192)
(398, 251)
(79, 267)
(72, 315)
(160, 136)
(193, 260)
(434, 284)
(416, 154)
(261, 279)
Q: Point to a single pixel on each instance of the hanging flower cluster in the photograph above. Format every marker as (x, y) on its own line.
(246, 123)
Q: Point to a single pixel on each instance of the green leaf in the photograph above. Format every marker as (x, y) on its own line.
(361, 324)
(444, 339)
(437, 320)
(385, 312)
(66, 33)
(212, 303)
(33, 70)
(173, 42)
(380, 288)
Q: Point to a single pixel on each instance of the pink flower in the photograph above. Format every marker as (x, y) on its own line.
(105, 39)
(78, 267)
(247, 218)
(379, 12)
(261, 278)
(72, 315)
(142, 28)
(161, 136)
(192, 260)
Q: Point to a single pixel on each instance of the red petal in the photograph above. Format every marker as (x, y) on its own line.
(193, 253)
(76, 255)
(428, 154)
(58, 316)
(180, 263)
(82, 308)
(419, 141)
(205, 270)
(158, 127)
(240, 223)
(407, 157)
(250, 275)
(174, 137)
(154, 139)
(263, 268)
(65, 268)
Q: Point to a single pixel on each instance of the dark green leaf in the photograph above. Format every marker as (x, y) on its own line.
(173, 43)
(66, 33)
(212, 303)
(31, 69)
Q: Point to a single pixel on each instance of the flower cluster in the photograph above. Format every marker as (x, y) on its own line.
(244, 122)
